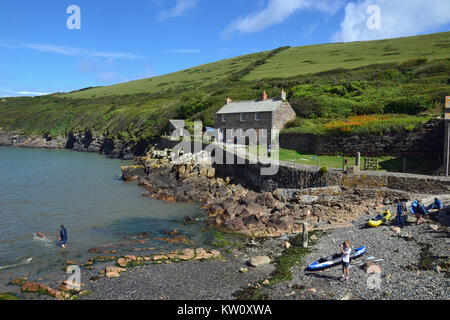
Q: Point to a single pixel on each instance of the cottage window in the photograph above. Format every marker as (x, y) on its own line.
(224, 118)
(242, 117)
(257, 116)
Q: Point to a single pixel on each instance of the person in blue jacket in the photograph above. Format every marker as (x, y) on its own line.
(414, 207)
(63, 236)
(436, 205)
(401, 207)
(421, 211)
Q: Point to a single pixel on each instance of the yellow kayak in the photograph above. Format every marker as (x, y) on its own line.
(379, 219)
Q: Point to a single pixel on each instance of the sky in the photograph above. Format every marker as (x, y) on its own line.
(48, 46)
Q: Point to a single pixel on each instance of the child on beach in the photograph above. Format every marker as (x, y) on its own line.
(345, 251)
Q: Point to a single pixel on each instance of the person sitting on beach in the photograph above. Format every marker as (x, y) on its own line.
(421, 212)
(401, 207)
(437, 205)
(63, 236)
(345, 251)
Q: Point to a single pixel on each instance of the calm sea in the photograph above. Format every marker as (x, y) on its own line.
(42, 189)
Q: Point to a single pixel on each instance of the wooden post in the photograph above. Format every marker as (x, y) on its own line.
(318, 162)
(404, 164)
(358, 160)
(305, 234)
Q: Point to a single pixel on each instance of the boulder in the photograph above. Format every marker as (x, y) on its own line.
(251, 221)
(270, 201)
(130, 258)
(122, 262)
(235, 224)
(160, 257)
(259, 261)
(211, 173)
(397, 230)
(371, 268)
(187, 254)
(434, 227)
(279, 195)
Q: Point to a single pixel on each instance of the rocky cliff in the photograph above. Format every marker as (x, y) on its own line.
(82, 141)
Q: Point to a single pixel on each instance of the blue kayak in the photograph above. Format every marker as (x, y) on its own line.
(334, 260)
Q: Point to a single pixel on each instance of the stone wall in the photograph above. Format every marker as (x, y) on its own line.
(292, 176)
(426, 141)
(283, 115)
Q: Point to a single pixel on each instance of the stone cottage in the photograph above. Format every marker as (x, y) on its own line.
(266, 114)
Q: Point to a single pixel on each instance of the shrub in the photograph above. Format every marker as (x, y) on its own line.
(390, 74)
(297, 122)
(405, 106)
(412, 63)
(338, 90)
(323, 170)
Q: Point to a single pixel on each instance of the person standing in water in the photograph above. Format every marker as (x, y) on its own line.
(63, 236)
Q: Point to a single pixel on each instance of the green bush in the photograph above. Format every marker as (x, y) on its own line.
(297, 122)
(412, 63)
(323, 170)
(389, 74)
(404, 106)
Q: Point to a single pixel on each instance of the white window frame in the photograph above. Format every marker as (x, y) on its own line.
(224, 118)
(257, 116)
(242, 117)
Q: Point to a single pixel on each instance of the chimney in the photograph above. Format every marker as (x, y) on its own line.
(264, 96)
(283, 95)
(228, 101)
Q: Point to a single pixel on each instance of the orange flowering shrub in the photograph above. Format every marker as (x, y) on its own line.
(347, 125)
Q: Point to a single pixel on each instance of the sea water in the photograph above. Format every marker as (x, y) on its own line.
(42, 189)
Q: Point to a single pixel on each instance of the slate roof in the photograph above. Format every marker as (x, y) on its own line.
(268, 105)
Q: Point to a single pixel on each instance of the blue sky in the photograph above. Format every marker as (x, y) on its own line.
(126, 40)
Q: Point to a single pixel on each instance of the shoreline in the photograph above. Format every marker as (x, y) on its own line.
(181, 279)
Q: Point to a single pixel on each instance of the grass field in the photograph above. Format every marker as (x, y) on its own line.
(318, 58)
(386, 164)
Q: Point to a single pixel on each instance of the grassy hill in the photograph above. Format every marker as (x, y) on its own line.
(399, 83)
(320, 58)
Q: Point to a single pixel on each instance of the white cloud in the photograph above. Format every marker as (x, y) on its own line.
(180, 8)
(399, 18)
(277, 11)
(73, 51)
(10, 93)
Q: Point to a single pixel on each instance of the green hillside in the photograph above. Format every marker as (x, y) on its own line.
(319, 58)
(400, 83)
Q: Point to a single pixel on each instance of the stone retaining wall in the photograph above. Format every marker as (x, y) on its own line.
(290, 176)
(426, 141)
